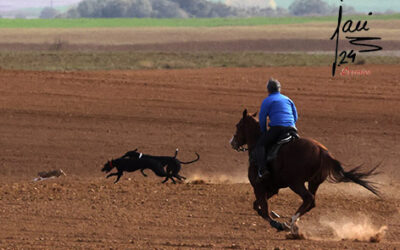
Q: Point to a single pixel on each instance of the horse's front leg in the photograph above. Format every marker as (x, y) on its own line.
(263, 210)
(257, 207)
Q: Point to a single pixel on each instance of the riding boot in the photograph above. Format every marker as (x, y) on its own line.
(253, 157)
(261, 162)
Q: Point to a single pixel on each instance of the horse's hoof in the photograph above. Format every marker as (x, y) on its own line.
(294, 233)
(286, 226)
(299, 236)
(277, 225)
(294, 229)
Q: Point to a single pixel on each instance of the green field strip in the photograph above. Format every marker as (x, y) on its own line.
(175, 22)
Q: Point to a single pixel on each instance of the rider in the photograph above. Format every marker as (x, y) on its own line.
(282, 115)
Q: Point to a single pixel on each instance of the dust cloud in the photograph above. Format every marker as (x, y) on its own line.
(218, 178)
(356, 229)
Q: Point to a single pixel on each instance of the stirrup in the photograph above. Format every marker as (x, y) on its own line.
(263, 175)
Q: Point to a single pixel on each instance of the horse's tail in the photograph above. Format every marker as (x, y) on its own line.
(198, 157)
(337, 174)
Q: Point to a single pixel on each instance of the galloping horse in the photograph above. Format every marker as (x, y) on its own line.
(299, 161)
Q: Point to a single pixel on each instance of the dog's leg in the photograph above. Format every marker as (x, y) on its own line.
(173, 169)
(141, 170)
(158, 169)
(180, 177)
(119, 176)
(112, 174)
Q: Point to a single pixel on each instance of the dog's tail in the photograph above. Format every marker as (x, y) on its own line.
(176, 152)
(198, 157)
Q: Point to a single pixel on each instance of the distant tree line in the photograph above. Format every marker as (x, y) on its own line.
(48, 13)
(185, 9)
(163, 9)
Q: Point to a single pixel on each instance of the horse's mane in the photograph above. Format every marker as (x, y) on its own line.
(318, 144)
(255, 118)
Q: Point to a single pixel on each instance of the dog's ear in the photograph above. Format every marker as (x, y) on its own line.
(244, 113)
(135, 150)
(255, 114)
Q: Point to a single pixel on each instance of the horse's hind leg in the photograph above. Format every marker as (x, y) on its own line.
(312, 187)
(308, 202)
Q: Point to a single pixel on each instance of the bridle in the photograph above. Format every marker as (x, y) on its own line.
(239, 148)
(242, 149)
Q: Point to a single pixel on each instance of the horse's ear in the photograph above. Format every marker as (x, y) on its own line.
(244, 113)
(255, 114)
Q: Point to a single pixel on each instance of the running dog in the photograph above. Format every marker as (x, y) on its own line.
(133, 160)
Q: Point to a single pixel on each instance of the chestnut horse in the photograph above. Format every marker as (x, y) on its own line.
(299, 161)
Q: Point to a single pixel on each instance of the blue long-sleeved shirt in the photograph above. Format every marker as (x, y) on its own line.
(280, 110)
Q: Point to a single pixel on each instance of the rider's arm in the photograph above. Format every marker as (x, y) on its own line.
(263, 116)
(294, 110)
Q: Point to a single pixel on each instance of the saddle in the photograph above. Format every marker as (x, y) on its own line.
(286, 137)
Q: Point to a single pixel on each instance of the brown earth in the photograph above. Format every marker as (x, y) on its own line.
(388, 30)
(261, 45)
(76, 121)
(269, 38)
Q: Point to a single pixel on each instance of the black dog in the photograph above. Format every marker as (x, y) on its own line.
(134, 160)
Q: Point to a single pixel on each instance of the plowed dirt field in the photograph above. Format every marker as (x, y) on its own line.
(76, 121)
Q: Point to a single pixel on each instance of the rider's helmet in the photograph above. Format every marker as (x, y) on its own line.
(273, 86)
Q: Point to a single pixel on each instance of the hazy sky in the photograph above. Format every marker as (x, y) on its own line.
(360, 5)
(17, 4)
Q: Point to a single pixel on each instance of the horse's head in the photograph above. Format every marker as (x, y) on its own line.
(247, 132)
